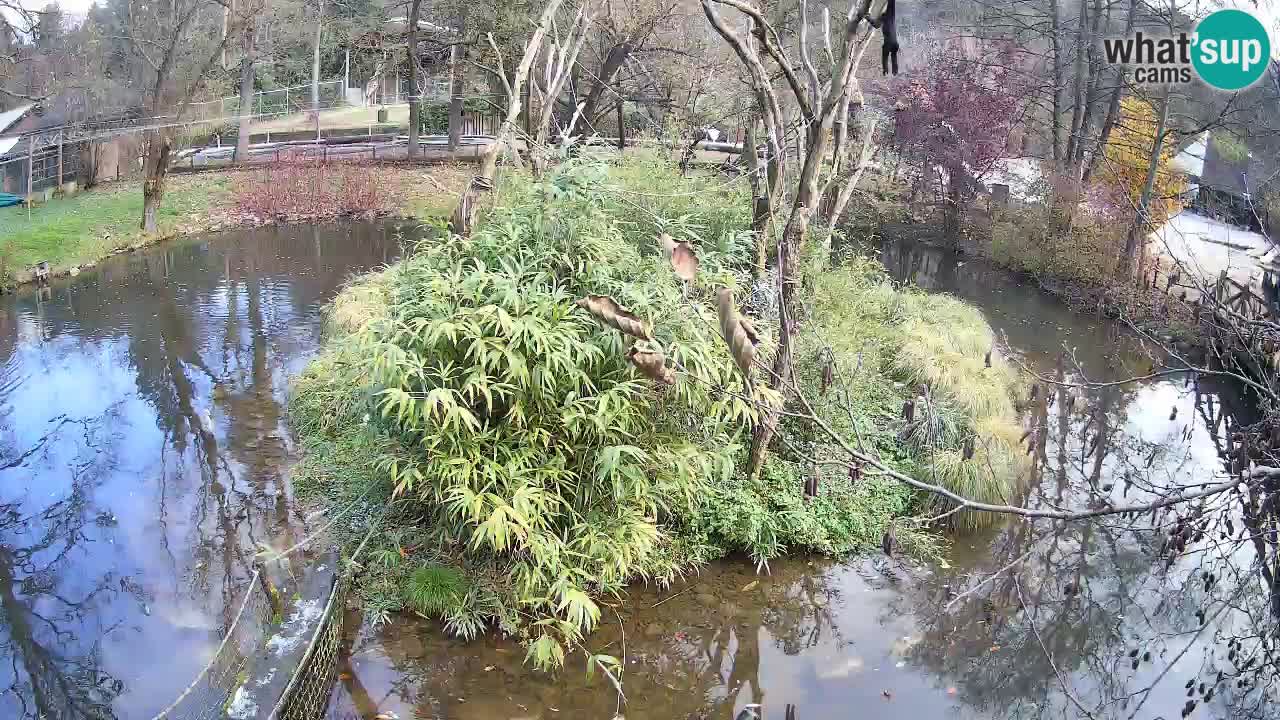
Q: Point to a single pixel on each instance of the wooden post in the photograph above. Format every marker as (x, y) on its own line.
(59, 159)
(622, 134)
(31, 152)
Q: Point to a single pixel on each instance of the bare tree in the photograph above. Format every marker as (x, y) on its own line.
(464, 215)
(415, 99)
(180, 56)
(249, 46)
(819, 102)
(558, 61)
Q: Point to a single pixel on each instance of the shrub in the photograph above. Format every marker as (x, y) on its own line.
(1032, 241)
(299, 189)
(1128, 161)
(524, 433)
(1231, 147)
(507, 435)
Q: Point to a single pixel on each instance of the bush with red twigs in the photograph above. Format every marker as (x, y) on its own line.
(296, 188)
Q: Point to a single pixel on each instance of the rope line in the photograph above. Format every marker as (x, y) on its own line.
(227, 637)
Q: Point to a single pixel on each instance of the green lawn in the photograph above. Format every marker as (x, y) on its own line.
(88, 226)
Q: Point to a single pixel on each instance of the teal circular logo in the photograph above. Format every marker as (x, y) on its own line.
(1232, 49)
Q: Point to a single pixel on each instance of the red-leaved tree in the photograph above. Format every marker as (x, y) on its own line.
(958, 113)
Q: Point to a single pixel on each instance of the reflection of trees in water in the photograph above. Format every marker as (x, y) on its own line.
(171, 312)
(1074, 618)
(703, 662)
(51, 638)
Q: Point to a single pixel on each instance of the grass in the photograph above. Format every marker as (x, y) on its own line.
(90, 225)
(890, 344)
(353, 117)
(86, 227)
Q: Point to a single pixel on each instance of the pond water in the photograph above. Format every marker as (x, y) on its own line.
(1028, 620)
(143, 457)
(143, 461)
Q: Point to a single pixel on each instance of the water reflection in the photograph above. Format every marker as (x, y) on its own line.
(1026, 620)
(143, 458)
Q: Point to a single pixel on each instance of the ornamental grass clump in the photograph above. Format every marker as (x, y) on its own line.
(926, 381)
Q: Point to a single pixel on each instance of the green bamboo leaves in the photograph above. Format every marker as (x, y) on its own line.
(737, 330)
(509, 381)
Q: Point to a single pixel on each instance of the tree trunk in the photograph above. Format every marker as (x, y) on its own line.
(1078, 86)
(155, 172)
(464, 215)
(1056, 55)
(1095, 76)
(613, 62)
(415, 102)
(315, 61)
(789, 281)
(457, 55)
(1113, 107)
(760, 208)
(951, 207)
(247, 69)
(846, 192)
(1141, 225)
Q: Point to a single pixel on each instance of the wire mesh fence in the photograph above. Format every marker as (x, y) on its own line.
(211, 693)
(307, 695)
(280, 101)
(31, 168)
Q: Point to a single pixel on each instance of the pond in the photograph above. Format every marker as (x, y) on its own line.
(144, 457)
(144, 461)
(1028, 620)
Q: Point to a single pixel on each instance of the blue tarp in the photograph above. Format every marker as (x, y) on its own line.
(6, 200)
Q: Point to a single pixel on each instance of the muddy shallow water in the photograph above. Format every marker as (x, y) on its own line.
(143, 457)
(1050, 636)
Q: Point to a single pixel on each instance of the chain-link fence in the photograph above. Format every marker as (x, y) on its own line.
(211, 693)
(307, 695)
(281, 101)
(31, 167)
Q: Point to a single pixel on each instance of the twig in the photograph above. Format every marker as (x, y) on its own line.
(1048, 655)
(669, 597)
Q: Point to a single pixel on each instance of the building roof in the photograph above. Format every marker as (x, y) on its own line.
(1190, 158)
(7, 143)
(10, 117)
(1237, 178)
